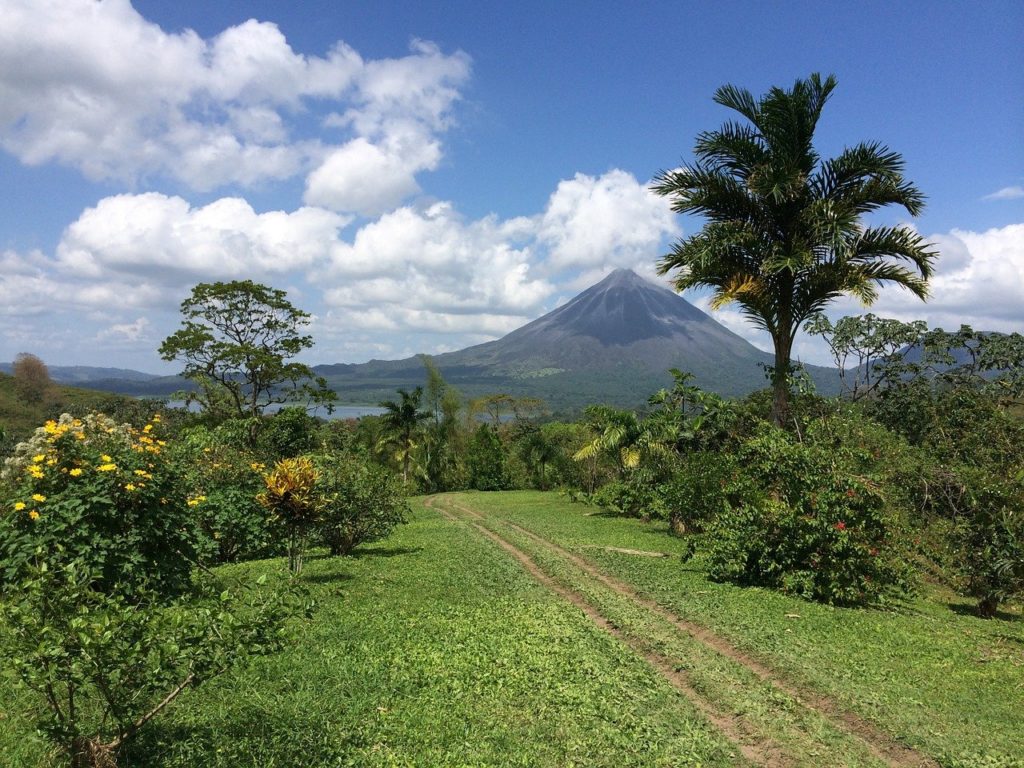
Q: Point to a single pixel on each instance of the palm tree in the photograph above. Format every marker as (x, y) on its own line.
(784, 234)
(401, 422)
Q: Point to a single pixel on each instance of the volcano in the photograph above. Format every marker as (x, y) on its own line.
(613, 343)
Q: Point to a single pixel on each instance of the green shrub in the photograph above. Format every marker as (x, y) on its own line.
(288, 433)
(486, 460)
(100, 612)
(795, 518)
(990, 541)
(100, 494)
(361, 501)
(103, 665)
(636, 495)
(695, 494)
(223, 479)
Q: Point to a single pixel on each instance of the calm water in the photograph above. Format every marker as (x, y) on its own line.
(340, 411)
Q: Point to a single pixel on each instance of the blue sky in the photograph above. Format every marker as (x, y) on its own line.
(421, 178)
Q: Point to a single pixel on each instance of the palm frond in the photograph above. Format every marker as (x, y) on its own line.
(739, 99)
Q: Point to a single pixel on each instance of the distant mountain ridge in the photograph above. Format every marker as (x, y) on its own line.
(613, 343)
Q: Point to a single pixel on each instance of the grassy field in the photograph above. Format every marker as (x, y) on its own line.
(503, 630)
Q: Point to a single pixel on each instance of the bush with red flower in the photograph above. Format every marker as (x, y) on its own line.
(797, 517)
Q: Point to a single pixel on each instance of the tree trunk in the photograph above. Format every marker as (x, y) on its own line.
(780, 414)
(987, 607)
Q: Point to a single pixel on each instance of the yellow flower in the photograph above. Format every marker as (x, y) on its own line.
(38, 458)
(148, 428)
(51, 462)
(35, 471)
(196, 501)
(106, 467)
(50, 427)
(156, 418)
(75, 472)
(141, 473)
(79, 436)
(19, 505)
(129, 487)
(38, 497)
(106, 458)
(33, 515)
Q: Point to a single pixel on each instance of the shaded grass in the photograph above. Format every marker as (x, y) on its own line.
(938, 679)
(432, 648)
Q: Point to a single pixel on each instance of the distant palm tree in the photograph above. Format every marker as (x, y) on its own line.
(784, 233)
(401, 421)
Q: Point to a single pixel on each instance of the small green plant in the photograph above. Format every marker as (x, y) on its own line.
(360, 502)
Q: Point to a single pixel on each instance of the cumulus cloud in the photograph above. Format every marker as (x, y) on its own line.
(365, 178)
(97, 87)
(604, 221)
(431, 270)
(1006, 193)
(156, 235)
(979, 280)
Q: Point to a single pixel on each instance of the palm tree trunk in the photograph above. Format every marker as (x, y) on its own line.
(780, 414)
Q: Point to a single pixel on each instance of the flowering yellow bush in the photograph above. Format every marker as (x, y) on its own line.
(99, 493)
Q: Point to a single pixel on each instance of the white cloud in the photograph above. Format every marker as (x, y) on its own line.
(1006, 193)
(363, 177)
(131, 332)
(166, 239)
(429, 270)
(979, 280)
(97, 87)
(605, 221)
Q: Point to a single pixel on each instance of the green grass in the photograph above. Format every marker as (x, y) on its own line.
(433, 648)
(931, 674)
(436, 648)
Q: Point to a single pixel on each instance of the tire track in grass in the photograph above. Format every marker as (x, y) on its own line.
(881, 744)
(755, 749)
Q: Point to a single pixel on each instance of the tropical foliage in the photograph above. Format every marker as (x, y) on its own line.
(785, 232)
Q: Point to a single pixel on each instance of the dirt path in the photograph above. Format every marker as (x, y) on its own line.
(757, 751)
(879, 743)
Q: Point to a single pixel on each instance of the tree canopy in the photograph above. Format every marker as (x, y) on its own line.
(235, 340)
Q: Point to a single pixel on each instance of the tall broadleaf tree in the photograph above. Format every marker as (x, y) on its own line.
(785, 233)
(235, 340)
